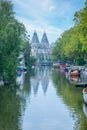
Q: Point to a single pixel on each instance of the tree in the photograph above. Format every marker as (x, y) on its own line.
(13, 39)
(73, 42)
(81, 18)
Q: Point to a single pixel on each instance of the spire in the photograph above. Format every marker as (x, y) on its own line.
(44, 39)
(35, 38)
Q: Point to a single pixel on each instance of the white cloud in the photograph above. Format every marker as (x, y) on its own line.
(42, 15)
(52, 32)
(52, 8)
(36, 9)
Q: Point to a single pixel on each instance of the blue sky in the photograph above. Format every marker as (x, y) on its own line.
(50, 16)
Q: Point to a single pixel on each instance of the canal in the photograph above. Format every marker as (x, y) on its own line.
(46, 101)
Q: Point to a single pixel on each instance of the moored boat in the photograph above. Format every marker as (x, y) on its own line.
(74, 73)
(74, 78)
(56, 65)
(85, 94)
(62, 66)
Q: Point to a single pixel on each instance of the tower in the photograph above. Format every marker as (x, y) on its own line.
(41, 50)
(35, 39)
(44, 40)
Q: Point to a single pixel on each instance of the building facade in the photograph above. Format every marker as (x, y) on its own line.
(41, 50)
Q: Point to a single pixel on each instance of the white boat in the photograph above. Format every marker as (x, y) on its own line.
(85, 94)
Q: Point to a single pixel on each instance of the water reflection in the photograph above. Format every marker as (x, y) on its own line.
(77, 80)
(9, 109)
(12, 105)
(41, 78)
(46, 101)
(73, 98)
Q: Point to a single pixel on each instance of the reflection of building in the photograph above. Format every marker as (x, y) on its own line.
(45, 80)
(42, 78)
(36, 86)
(41, 50)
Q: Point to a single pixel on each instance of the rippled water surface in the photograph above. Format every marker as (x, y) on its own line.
(46, 101)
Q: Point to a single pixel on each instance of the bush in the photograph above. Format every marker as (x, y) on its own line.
(80, 61)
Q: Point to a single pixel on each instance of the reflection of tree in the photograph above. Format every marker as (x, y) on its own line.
(27, 85)
(72, 97)
(9, 109)
(13, 104)
(24, 92)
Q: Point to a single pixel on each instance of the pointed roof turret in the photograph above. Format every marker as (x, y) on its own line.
(35, 38)
(44, 40)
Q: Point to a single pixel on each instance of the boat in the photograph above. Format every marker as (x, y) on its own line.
(56, 65)
(67, 68)
(74, 78)
(19, 70)
(85, 95)
(74, 73)
(62, 66)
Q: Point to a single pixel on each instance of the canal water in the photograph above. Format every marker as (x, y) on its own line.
(46, 101)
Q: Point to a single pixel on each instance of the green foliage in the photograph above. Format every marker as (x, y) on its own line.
(32, 61)
(57, 51)
(73, 42)
(27, 51)
(80, 61)
(13, 39)
(82, 24)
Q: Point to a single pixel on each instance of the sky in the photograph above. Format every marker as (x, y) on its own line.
(50, 16)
